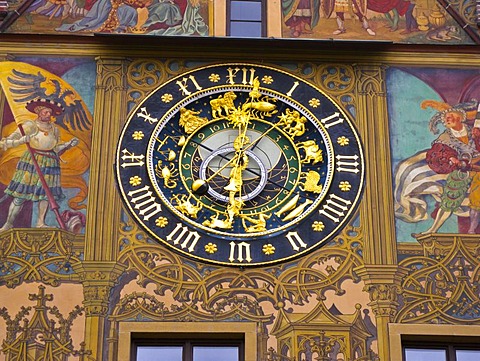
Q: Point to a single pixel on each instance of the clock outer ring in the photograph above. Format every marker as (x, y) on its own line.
(121, 178)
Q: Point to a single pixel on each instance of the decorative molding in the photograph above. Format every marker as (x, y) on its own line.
(98, 278)
(40, 336)
(35, 254)
(442, 285)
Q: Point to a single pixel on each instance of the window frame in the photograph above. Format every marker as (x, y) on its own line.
(420, 335)
(263, 17)
(448, 343)
(188, 342)
(129, 331)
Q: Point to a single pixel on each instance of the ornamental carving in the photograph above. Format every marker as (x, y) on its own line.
(40, 332)
(39, 255)
(294, 282)
(442, 284)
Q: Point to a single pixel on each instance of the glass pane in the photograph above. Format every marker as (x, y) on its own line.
(468, 355)
(159, 353)
(215, 353)
(412, 354)
(245, 29)
(246, 10)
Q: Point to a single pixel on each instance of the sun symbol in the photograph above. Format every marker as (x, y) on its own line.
(268, 249)
(267, 79)
(161, 222)
(167, 98)
(314, 102)
(318, 226)
(214, 78)
(343, 141)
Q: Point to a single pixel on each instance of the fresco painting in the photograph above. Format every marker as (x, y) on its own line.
(45, 144)
(435, 140)
(403, 21)
(397, 21)
(153, 17)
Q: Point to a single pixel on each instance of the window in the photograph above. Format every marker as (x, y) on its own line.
(171, 337)
(246, 18)
(183, 348)
(433, 342)
(442, 349)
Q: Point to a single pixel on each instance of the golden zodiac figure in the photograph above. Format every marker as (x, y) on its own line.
(167, 173)
(292, 203)
(311, 182)
(313, 153)
(214, 222)
(190, 120)
(297, 211)
(258, 224)
(294, 123)
(185, 206)
(223, 104)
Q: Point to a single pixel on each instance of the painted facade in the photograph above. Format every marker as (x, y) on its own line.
(411, 22)
(83, 293)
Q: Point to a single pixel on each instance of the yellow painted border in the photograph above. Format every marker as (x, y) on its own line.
(397, 330)
(126, 329)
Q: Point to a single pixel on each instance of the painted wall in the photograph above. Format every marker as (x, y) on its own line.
(397, 21)
(110, 274)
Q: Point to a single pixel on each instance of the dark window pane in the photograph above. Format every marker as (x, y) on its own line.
(246, 10)
(215, 353)
(468, 355)
(412, 354)
(245, 29)
(159, 353)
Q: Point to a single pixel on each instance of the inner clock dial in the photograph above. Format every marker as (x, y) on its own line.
(217, 170)
(269, 166)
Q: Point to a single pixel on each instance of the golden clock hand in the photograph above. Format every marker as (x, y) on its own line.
(200, 186)
(255, 142)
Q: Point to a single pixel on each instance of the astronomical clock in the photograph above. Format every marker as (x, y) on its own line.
(240, 164)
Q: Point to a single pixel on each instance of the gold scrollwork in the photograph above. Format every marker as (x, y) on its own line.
(51, 254)
(440, 284)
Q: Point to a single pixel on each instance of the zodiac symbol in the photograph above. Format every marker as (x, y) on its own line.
(313, 152)
(288, 206)
(190, 120)
(224, 103)
(166, 173)
(262, 108)
(297, 211)
(214, 222)
(311, 183)
(288, 120)
(185, 206)
(258, 224)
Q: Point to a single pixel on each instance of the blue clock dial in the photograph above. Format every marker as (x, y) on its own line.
(240, 164)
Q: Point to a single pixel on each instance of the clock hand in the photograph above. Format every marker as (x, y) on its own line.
(240, 119)
(200, 186)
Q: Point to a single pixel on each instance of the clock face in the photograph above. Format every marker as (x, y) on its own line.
(240, 164)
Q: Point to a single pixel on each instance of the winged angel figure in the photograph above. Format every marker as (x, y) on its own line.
(63, 119)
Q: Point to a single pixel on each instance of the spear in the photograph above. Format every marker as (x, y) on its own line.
(51, 200)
